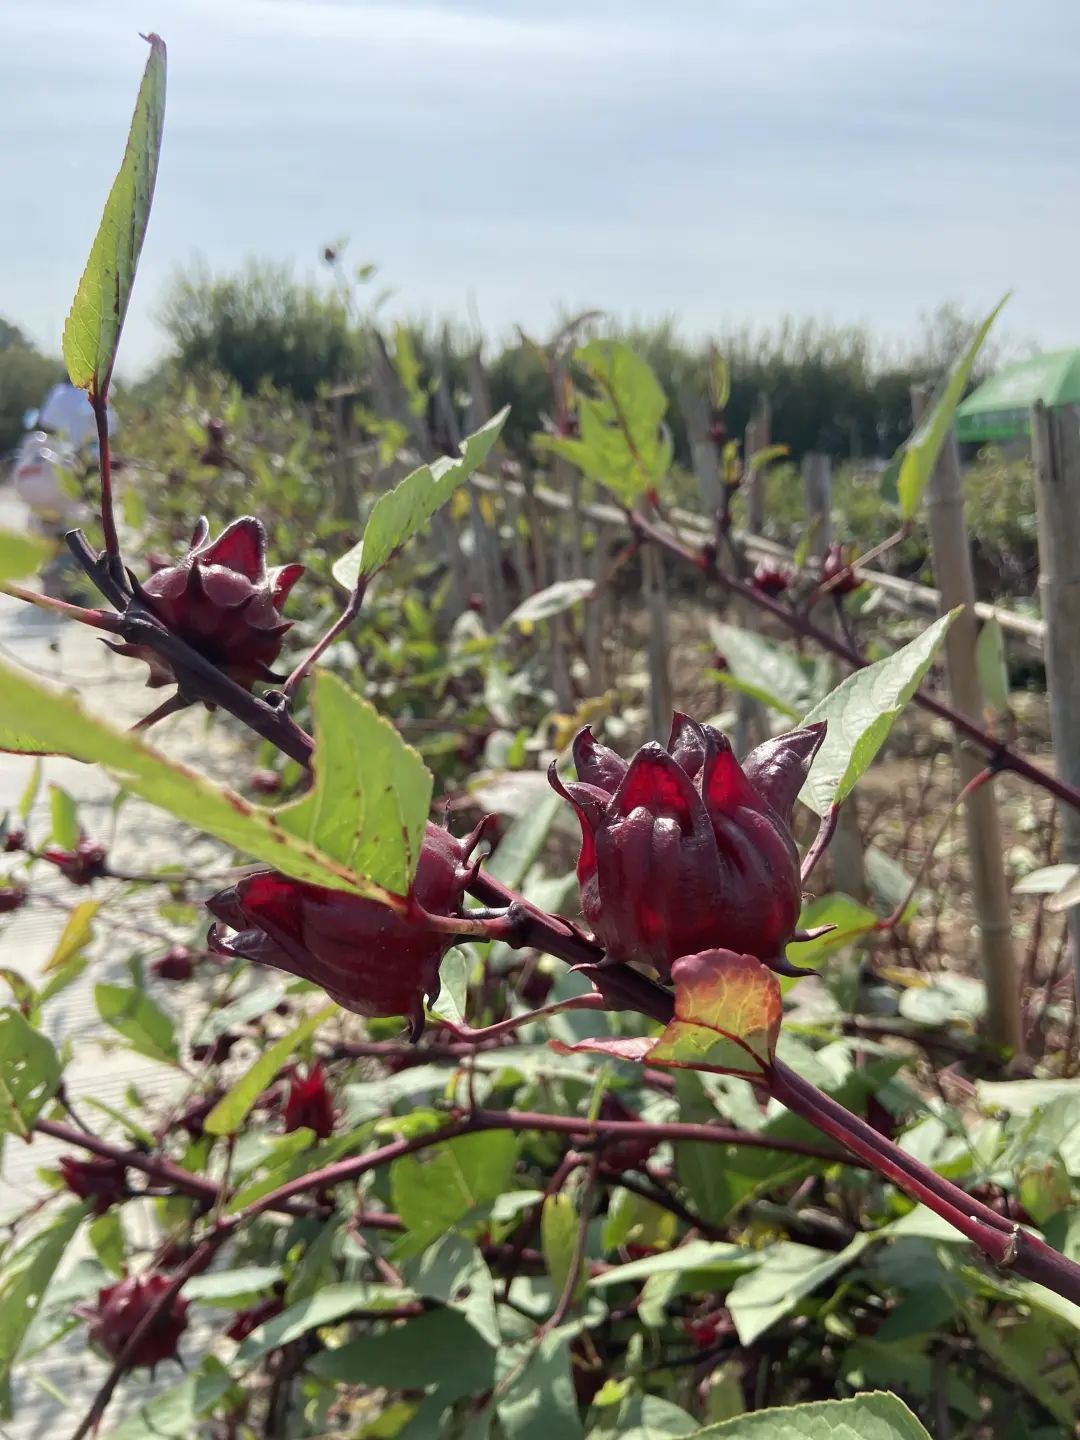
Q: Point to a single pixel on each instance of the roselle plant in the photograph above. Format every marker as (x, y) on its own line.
(429, 1226)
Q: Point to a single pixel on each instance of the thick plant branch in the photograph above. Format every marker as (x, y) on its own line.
(1004, 756)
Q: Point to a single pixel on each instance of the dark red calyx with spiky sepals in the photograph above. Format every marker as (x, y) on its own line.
(369, 958)
(223, 602)
(771, 580)
(245, 1321)
(81, 866)
(309, 1103)
(12, 897)
(99, 1179)
(836, 571)
(684, 849)
(121, 1308)
(176, 964)
(14, 841)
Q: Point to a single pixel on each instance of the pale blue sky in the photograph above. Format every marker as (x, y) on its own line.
(723, 161)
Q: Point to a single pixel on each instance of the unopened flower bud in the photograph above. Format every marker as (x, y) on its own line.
(96, 1178)
(367, 957)
(684, 849)
(176, 964)
(81, 866)
(122, 1307)
(309, 1103)
(221, 599)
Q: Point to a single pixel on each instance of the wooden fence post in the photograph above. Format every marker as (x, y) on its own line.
(1055, 438)
(656, 601)
(989, 884)
(846, 867)
(703, 452)
(750, 725)
(757, 438)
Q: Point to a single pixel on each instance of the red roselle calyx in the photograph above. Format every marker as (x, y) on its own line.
(119, 1310)
(176, 964)
(81, 866)
(771, 580)
(221, 599)
(684, 849)
(367, 957)
(12, 897)
(309, 1103)
(101, 1180)
(836, 571)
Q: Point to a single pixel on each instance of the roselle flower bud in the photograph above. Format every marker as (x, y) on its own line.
(364, 955)
(836, 571)
(12, 897)
(309, 1103)
(684, 849)
(176, 964)
(14, 841)
(718, 432)
(83, 865)
(771, 580)
(97, 1178)
(245, 1321)
(120, 1309)
(221, 599)
(264, 782)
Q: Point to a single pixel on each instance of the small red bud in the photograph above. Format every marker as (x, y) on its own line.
(14, 840)
(12, 897)
(309, 1103)
(176, 964)
(771, 580)
(264, 782)
(81, 866)
(836, 571)
(97, 1178)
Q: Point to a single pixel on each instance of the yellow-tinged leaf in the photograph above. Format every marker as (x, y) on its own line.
(727, 1014)
(75, 936)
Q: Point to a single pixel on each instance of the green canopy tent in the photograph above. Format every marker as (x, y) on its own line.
(1000, 409)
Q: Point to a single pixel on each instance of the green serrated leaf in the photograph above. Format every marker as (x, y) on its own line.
(990, 663)
(759, 664)
(369, 802)
(875, 1416)
(439, 1187)
(65, 818)
(106, 1235)
(21, 554)
(399, 514)
(23, 1283)
(622, 442)
(141, 1020)
(233, 1288)
(558, 1240)
(30, 790)
(536, 1399)
(860, 713)
(30, 1073)
(786, 1275)
(176, 1412)
(92, 331)
(919, 453)
(439, 1349)
(232, 1109)
(552, 600)
(37, 719)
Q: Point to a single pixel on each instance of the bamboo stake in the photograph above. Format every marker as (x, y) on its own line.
(989, 883)
(1056, 446)
(846, 851)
